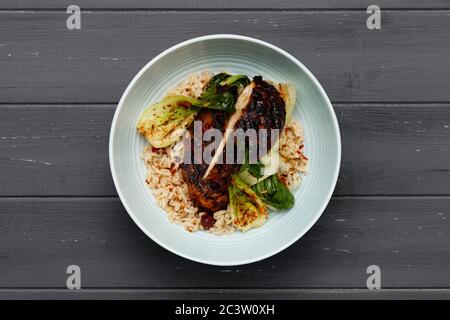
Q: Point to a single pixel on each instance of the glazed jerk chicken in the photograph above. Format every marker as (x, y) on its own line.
(259, 106)
(209, 194)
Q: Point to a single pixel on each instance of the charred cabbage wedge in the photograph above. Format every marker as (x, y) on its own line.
(247, 209)
(288, 94)
(165, 122)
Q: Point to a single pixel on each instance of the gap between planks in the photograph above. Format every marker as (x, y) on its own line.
(334, 103)
(218, 293)
(237, 289)
(244, 10)
(334, 197)
(247, 10)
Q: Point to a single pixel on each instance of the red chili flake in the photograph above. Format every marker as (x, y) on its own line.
(173, 169)
(302, 146)
(207, 221)
(304, 157)
(283, 179)
(185, 104)
(154, 149)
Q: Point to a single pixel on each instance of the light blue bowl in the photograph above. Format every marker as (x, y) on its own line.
(235, 54)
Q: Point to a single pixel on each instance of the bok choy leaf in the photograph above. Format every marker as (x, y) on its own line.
(163, 123)
(275, 194)
(222, 91)
(247, 209)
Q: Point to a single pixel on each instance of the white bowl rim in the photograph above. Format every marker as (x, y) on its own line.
(234, 37)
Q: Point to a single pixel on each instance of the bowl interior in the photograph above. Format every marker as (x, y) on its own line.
(236, 55)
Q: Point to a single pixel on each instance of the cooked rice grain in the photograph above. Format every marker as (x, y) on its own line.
(192, 86)
(293, 163)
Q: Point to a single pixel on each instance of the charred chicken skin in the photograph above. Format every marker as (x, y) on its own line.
(264, 110)
(210, 194)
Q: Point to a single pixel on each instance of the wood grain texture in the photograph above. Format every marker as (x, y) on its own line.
(225, 294)
(55, 150)
(407, 237)
(63, 150)
(58, 205)
(221, 4)
(42, 61)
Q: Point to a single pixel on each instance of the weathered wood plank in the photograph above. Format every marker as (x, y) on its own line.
(63, 150)
(407, 237)
(42, 61)
(55, 150)
(225, 294)
(221, 4)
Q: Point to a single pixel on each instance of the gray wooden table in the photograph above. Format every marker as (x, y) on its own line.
(390, 90)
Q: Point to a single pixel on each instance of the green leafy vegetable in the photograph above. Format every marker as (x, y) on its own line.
(239, 81)
(266, 166)
(213, 87)
(247, 209)
(222, 91)
(164, 122)
(275, 194)
(255, 169)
